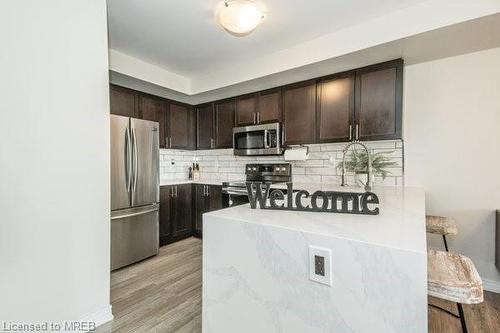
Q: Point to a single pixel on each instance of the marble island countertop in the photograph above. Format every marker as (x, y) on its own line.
(400, 224)
(258, 264)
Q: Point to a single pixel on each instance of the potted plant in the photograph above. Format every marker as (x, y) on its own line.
(357, 162)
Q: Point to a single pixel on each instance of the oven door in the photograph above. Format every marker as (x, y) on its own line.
(257, 140)
(234, 197)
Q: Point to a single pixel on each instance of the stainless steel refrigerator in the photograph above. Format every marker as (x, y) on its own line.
(134, 190)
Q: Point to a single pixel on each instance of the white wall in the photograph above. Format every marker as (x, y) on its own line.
(452, 148)
(54, 161)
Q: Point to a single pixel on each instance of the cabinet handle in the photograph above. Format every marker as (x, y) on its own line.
(350, 132)
(283, 136)
(176, 190)
(258, 117)
(208, 190)
(166, 142)
(211, 143)
(254, 118)
(357, 132)
(170, 142)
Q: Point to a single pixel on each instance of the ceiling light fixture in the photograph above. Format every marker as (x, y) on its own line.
(240, 17)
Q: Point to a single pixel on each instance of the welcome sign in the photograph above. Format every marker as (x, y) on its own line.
(320, 201)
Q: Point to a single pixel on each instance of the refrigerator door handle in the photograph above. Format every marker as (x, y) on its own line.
(127, 159)
(135, 161)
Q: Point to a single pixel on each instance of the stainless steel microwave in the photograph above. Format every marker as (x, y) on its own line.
(262, 139)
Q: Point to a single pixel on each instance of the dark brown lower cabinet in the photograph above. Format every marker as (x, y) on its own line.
(181, 212)
(165, 220)
(207, 198)
(182, 207)
(175, 213)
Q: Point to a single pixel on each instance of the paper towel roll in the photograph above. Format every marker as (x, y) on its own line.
(296, 154)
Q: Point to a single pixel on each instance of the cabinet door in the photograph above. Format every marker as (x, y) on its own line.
(154, 109)
(224, 123)
(123, 101)
(165, 212)
(215, 197)
(299, 108)
(205, 126)
(181, 212)
(180, 126)
(269, 106)
(201, 206)
(335, 116)
(378, 109)
(246, 113)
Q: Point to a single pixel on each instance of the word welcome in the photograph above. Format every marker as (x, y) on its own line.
(320, 201)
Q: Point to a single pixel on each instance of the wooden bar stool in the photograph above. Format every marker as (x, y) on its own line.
(453, 277)
(441, 225)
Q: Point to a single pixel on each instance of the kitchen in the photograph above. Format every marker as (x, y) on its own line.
(372, 129)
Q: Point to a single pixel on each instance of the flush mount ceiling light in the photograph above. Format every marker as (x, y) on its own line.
(240, 17)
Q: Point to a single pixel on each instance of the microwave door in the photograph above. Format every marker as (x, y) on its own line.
(249, 140)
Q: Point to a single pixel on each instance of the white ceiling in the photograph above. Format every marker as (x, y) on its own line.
(183, 37)
(175, 48)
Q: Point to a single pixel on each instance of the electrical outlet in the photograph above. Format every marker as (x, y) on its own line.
(320, 267)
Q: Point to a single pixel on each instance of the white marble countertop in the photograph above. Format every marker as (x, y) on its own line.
(186, 181)
(400, 224)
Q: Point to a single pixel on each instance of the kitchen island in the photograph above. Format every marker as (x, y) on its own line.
(256, 268)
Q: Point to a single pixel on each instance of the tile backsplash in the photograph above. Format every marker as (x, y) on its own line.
(222, 165)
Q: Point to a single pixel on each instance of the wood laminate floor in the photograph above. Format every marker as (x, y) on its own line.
(163, 294)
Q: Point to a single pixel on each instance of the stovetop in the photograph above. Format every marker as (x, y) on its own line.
(264, 172)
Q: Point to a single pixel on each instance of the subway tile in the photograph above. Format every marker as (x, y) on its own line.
(298, 171)
(321, 171)
(306, 179)
(331, 179)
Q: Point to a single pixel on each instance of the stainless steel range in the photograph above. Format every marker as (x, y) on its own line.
(235, 192)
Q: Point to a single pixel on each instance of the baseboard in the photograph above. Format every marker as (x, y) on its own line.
(490, 285)
(99, 317)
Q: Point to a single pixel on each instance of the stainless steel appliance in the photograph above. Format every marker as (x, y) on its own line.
(235, 193)
(134, 190)
(258, 140)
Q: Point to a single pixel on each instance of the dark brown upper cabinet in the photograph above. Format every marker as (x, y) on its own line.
(205, 126)
(269, 106)
(123, 101)
(224, 123)
(379, 96)
(181, 126)
(246, 110)
(259, 108)
(299, 111)
(335, 115)
(154, 109)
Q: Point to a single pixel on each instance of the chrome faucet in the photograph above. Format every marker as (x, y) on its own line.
(368, 185)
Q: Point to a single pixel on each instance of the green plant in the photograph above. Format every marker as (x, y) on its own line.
(358, 161)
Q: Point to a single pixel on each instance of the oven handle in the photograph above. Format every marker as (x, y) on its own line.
(235, 192)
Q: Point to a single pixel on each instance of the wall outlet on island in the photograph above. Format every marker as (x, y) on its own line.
(320, 265)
